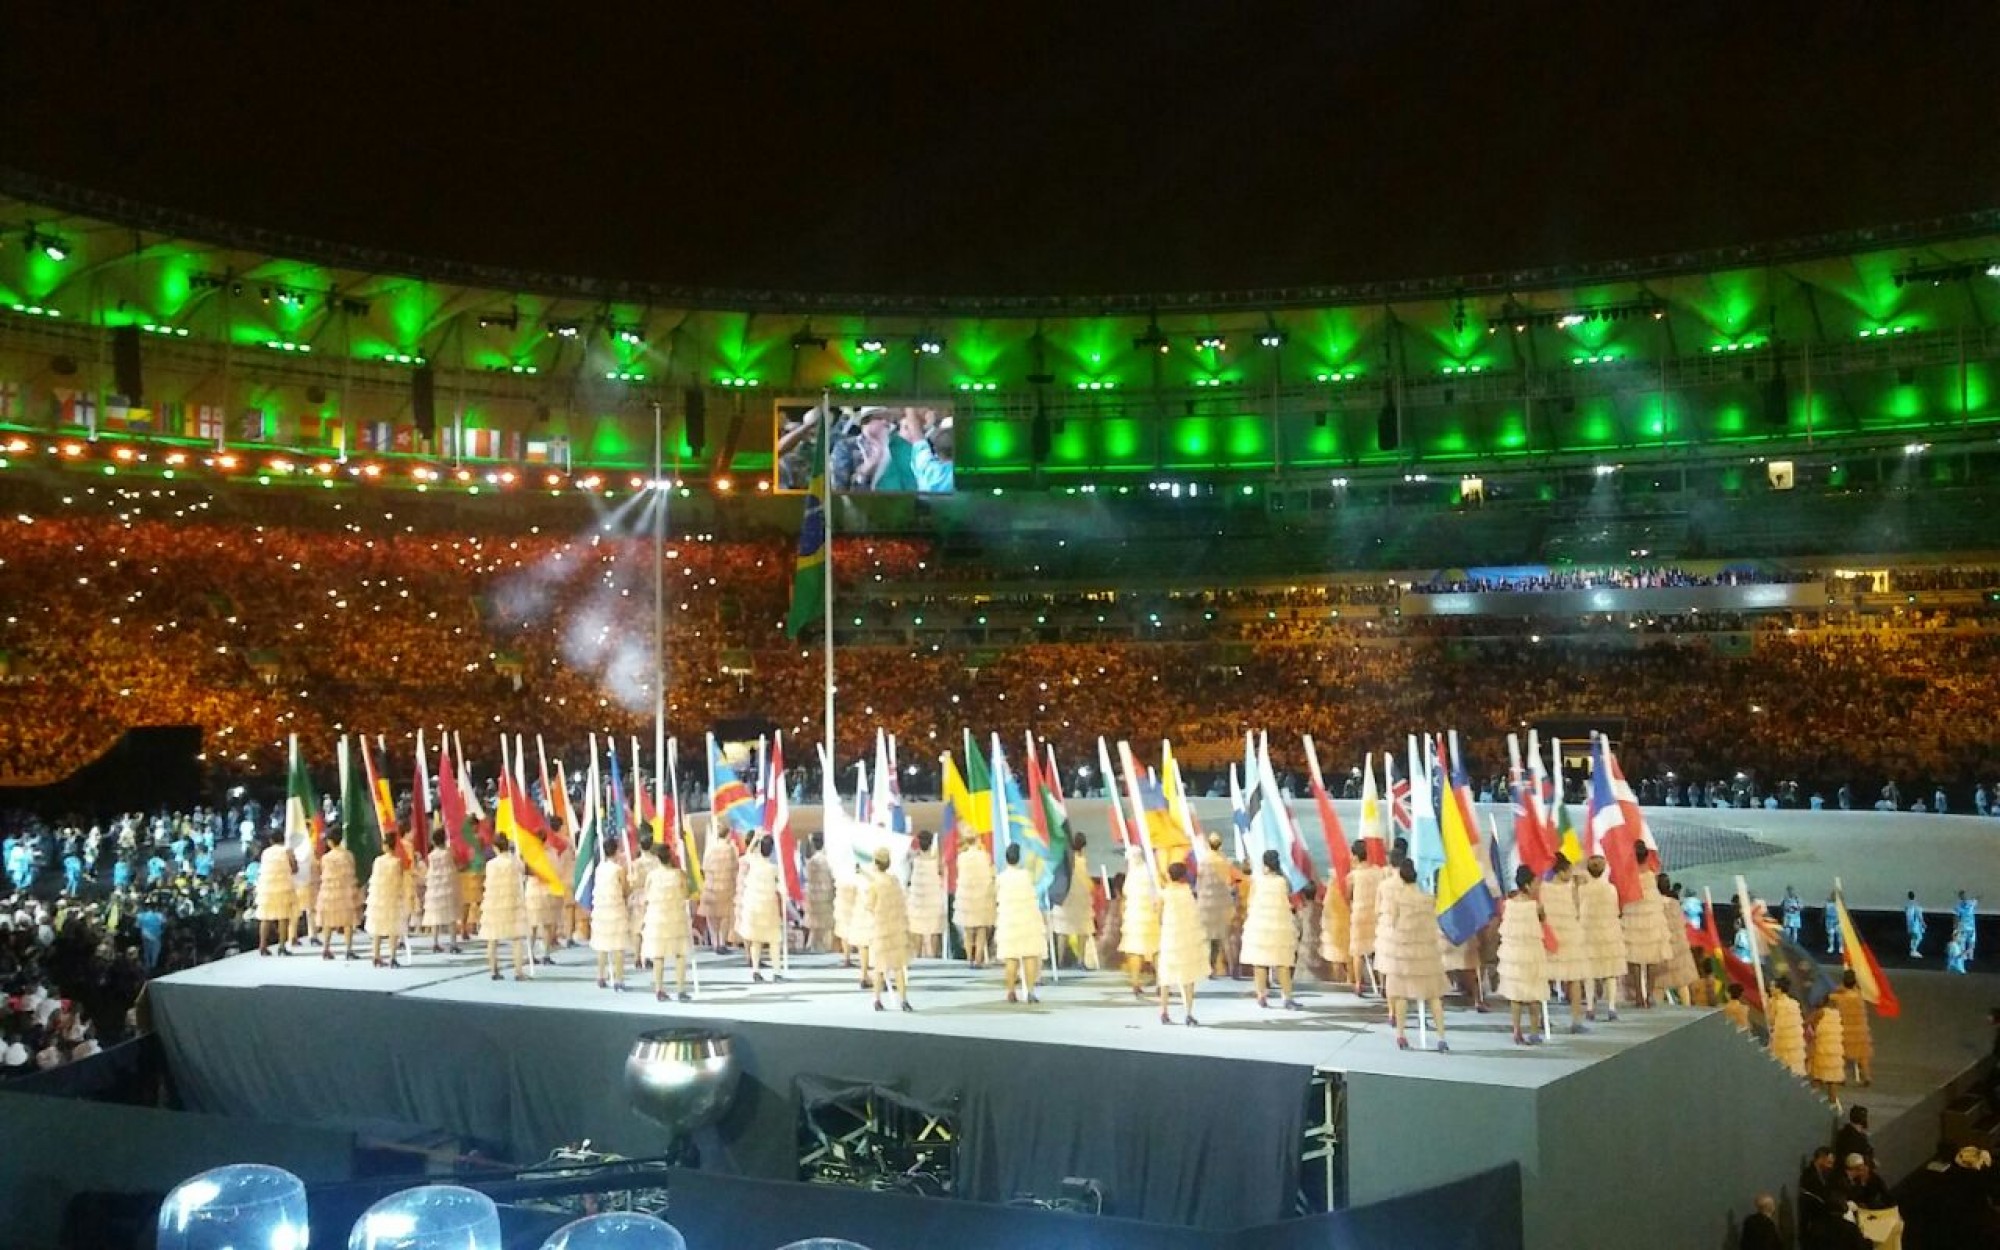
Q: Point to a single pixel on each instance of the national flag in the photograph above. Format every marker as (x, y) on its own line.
(1372, 816)
(1610, 836)
(729, 799)
(1149, 810)
(1534, 839)
(885, 805)
(840, 849)
(959, 804)
(778, 818)
(1049, 837)
(1119, 834)
(1282, 830)
(948, 831)
(1338, 857)
(1061, 843)
(1401, 815)
(1012, 820)
(527, 842)
(381, 801)
(1628, 802)
(1733, 968)
(677, 828)
(562, 821)
(621, 817)
(420, 801)
(451, 809)
(583, 884)
(554, 802)
(978, 812)
(1241, 820)
(1464, 904)
(1163, 833)
(1868, 975)
(1569, 839)
(357, 817)
(305, 824)
(476, 827)
(1459, 792)
(1427, 849)
(809, 571)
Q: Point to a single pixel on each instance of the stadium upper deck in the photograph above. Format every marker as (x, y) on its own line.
(1824, 352)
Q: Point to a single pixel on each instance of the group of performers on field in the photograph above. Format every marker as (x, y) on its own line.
(1567, 937)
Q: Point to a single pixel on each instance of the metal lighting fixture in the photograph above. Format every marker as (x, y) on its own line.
(871, 345)
(1152, 340)
(1271, 338)
(627, 335)
(509, 320)
(1212, 343)
(564, 329)
(806, 338)
(930, 345)
(49, 245)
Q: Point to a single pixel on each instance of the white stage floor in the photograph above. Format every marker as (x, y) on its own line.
(1335, 1030)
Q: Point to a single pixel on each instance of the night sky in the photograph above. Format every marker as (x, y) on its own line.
(931, 150)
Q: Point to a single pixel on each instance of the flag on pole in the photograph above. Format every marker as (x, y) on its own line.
(583, 884)
(729, 799)
(1610, 836)
(1283, 830)
(1338, 857)
(305, 825)
(1569, 839)
(1048, 833)
(948, 822)
(978, 812)
(778, 818)
(1401, 818)
(1149, 809)
(1061, 843)
(1012, 820)
(1427, 848)
(380, 803)
(1372, 816)
(357, 815)
(620, 826)
(420, 802)
(1464, 904)
(809, 571)
(451, 807)
(1120, 836)
(1534, 841)
(527, 841)
(1868, 975)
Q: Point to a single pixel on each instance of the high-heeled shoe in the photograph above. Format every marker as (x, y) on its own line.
(1444, 1047)
(1402, 1043)
(1165, 1018)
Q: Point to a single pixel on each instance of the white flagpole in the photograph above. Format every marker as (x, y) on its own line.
(826, 524)
(1756, 943)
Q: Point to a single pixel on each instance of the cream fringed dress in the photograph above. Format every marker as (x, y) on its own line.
(440, 889)
(1828, 1061)
(1335, 924)
(1788, 1031)
(888, 922)
(819, 893)
(976, 904)
(1407, 939)
(610, 915)
(1215, 895)
(503, 914)
(1647, 942)
(1139, 918)
(385, 896)
(1364, 885)
(1603, 937)
(1076, 915)
(1571, 960)
(1270, 938)
(718, 883)
(339, 892)
(277, 891)
(1524, 971)
(1855, 1038)
(926, 895)
(1680, 953)
(665, 933)
(763, 920)
(1019, 934)
(1183, 954)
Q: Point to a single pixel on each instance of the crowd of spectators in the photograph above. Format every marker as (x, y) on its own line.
(92, 914)
(1646, 578)
(134, 606)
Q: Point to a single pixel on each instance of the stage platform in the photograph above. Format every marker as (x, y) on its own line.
(1200, 1127)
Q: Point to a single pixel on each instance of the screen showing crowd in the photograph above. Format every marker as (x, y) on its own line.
(874, 448)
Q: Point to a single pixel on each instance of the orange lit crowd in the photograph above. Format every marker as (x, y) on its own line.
(125, 608)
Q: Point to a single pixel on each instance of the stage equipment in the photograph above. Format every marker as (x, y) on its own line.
(243, 1204)
(616, 1230)
(681, 1079)
(429, 1217)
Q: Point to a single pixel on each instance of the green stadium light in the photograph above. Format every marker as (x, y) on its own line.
(1459, 369)
(403, 358)
(179, 332)
(1330, 376)
(978, 386)
(857, 384)
(1883, 332)
(623, 375)
(286, 345)
(1097, 384)
(1596, 358)
(738, 382)
(526, 369)
(35, 310)
(1740, 345)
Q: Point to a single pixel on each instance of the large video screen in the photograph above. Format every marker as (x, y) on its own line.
(881, 449)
